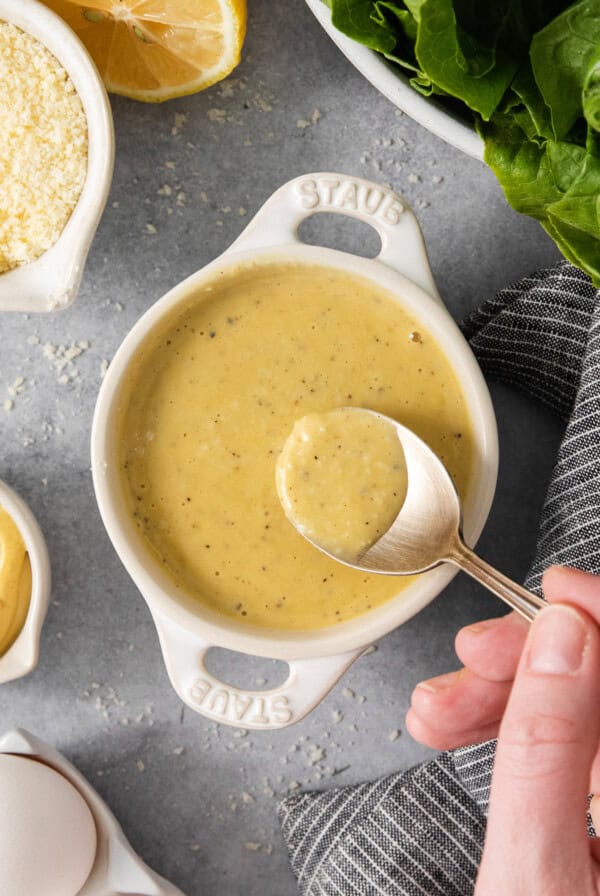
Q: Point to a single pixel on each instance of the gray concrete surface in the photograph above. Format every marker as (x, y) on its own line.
(197, 802)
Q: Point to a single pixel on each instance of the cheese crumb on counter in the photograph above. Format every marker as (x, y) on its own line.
(43, 148)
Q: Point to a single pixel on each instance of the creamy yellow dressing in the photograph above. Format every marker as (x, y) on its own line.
(342, 479)
(15, 581)
(209, 400)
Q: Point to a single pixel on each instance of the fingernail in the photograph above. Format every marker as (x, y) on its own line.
(557, 641)
(441, 682)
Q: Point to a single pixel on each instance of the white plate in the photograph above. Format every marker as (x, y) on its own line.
(395, 86)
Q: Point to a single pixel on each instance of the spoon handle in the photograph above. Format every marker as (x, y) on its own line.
(517, 597)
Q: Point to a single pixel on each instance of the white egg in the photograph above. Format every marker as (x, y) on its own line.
(47, 832)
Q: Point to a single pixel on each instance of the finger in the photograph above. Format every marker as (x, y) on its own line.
(460, 701)
(492, 648)
(595, 776)
(566, 585)
(424, 730)
(426, 734)
(547, 742)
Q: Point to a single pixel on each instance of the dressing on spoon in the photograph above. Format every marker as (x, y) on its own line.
(342, 479)
(424, 531)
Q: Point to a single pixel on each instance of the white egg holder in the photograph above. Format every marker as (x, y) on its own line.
(22, 657)
(117, 869)
(51, 282)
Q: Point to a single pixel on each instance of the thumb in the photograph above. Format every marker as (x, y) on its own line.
(547, 742)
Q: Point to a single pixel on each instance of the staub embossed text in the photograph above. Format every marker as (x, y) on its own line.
(350, 195)
(233, 706)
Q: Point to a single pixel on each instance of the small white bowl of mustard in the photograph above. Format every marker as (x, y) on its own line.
(198, 402)
(42, 269)
(25, 583)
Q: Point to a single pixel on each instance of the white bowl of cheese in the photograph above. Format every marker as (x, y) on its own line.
(199, 400)
(50, 281)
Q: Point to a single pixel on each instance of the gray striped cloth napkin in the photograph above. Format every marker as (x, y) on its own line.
(420, 833)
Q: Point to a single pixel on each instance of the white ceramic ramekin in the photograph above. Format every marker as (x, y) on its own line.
(51, 282)
(22, 657)
(117, 869)
(186, 629)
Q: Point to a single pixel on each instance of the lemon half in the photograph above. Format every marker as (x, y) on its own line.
(154, 50)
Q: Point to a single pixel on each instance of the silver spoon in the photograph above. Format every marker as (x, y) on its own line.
(427, 531)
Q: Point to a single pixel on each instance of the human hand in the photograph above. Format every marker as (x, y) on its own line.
(547, 757)
(466, 706)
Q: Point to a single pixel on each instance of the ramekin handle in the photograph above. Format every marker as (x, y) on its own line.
(402, 245)
(308, 682)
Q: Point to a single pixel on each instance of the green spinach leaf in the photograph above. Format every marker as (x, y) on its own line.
(561, 54)
(529, 72)
(591, 94)
(355, 18)
(479, 77)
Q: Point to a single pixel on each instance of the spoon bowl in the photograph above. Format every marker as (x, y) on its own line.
(425, 530)
(428, 529)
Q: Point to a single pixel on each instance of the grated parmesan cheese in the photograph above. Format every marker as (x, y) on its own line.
(43, 148)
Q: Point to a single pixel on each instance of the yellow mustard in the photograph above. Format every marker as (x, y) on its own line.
(15, 581)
